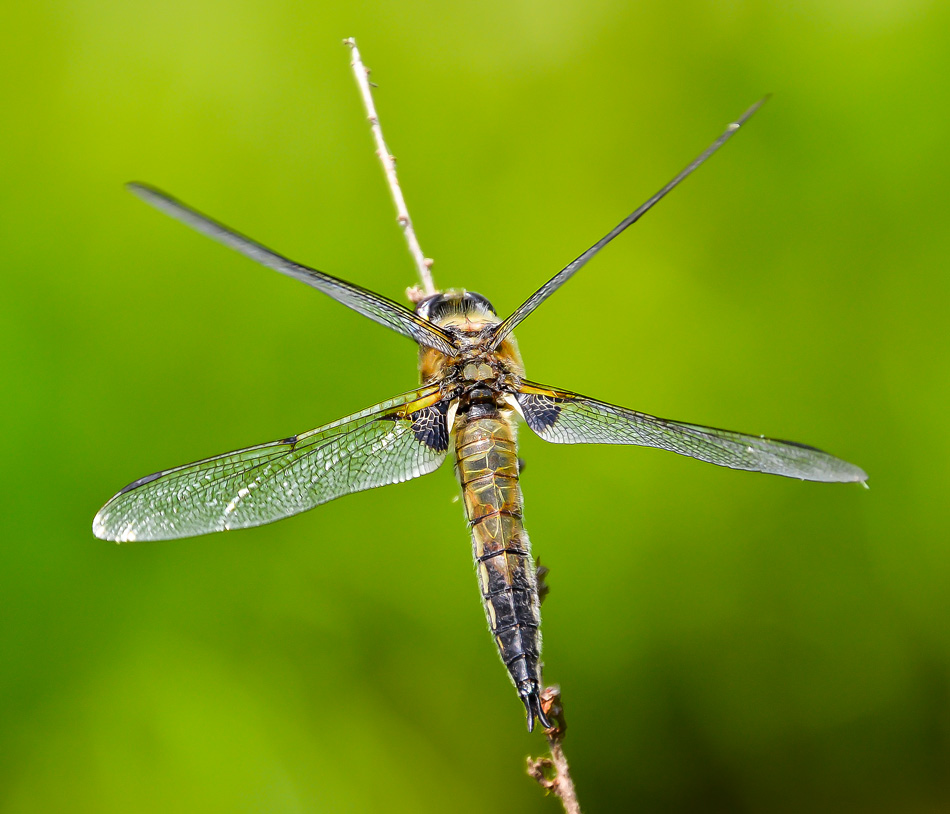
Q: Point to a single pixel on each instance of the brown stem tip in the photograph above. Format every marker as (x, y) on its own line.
(553, 711)
(553, 773)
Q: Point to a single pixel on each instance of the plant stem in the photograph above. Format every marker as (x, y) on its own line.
(553, 773)
(423, 263)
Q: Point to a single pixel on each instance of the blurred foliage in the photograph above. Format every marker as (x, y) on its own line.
(724, 641)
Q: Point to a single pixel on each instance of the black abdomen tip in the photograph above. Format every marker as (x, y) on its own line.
(531, 698)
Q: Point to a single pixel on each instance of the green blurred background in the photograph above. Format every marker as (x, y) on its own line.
(725, 641)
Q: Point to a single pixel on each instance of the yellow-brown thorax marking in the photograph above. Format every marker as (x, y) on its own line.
(473, 363)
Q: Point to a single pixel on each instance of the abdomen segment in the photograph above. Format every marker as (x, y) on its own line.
(487, 468)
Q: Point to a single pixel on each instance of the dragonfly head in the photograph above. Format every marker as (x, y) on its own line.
(465, 310)
(467, 318)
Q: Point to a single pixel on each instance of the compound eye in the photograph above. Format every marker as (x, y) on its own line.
(461, 303)
(430, 305)
(480, 300)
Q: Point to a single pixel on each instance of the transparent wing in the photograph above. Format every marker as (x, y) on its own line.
(563, 417)
(391, 442)
(502, 329)
(375, 306)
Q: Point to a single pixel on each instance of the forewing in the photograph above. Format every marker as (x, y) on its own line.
(498, 332)
(563, 417)
(392, 442)
(368, 303)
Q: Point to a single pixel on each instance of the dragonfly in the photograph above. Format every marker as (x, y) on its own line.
(473, 392)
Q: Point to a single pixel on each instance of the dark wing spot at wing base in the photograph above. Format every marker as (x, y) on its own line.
(431, 428)
(541, 412)
(429, 425)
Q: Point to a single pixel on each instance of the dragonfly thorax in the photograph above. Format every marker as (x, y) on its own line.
(478, 371)
(466, 317)
(474, 366)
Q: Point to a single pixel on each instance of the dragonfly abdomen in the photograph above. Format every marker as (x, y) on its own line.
(487, 468)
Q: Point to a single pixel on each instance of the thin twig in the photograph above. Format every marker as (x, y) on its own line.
(553, 773)
(423, 263)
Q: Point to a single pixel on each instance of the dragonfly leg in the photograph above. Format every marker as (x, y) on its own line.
(541, 572)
